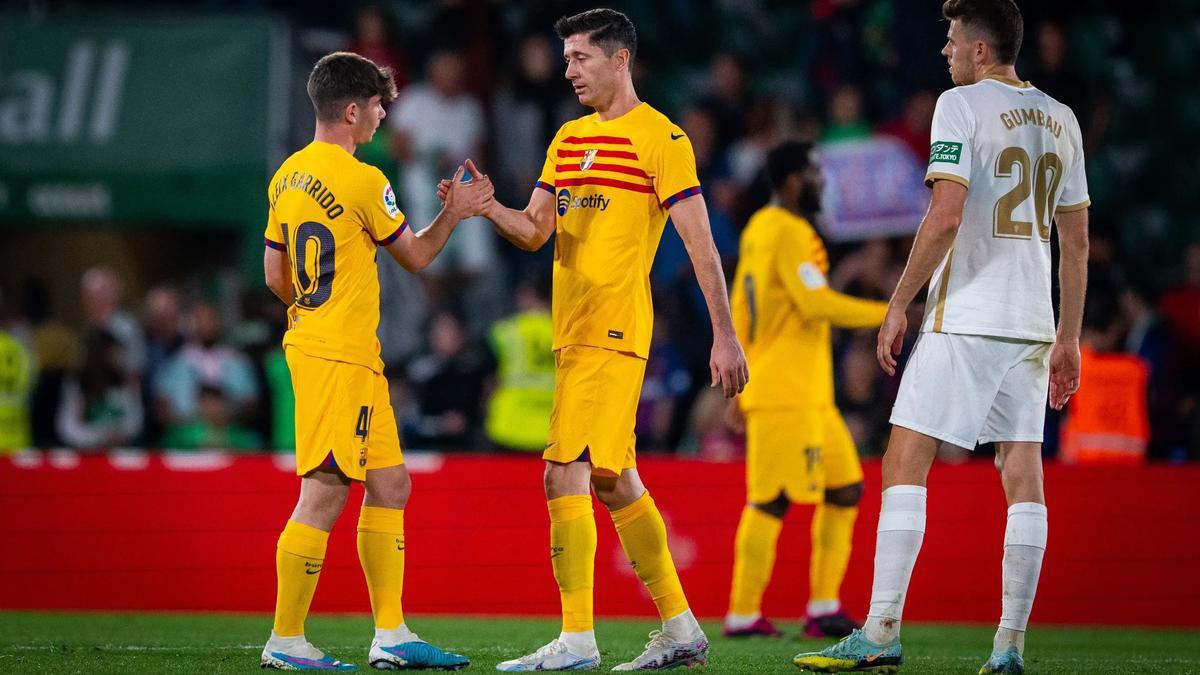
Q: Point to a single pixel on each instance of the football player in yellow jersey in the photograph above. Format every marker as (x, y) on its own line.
(328, 214)
(609, 182)
(798, 450)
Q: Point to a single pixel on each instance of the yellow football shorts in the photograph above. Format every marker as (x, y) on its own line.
(344, 416)
(798, 453)
(596, 394)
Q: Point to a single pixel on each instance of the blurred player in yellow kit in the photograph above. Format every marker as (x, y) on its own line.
(798, 449)
(609, 182)
(328, 215)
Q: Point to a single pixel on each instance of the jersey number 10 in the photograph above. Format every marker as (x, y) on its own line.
(312, 263)
(1046, 175)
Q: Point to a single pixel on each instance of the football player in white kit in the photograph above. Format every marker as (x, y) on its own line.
(1006, 160)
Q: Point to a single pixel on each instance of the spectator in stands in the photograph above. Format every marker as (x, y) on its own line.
(55, 350)
(727, 99)
(1180, 309)
(448, 383)
(518, 412)
(666, 382)
(526, 114)
(16, 386)
(375, 37)
(748, 154)
(213, 427)
(101, 404)
(846, 118)
(102, 291)
(438, 124)
(205, 362)
(162, 313)
(914, 125)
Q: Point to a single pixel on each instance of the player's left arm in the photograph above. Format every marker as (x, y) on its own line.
(934, 239)
(1071, 217)
(672, 164)
(728, 362)
(1072, 283)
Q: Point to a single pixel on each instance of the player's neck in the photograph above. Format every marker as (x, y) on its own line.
(792, 207)
(340, 137)
(999, 71)
(624, 100)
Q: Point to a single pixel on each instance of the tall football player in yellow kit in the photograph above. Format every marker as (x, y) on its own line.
(328, 214)
(798, 450)
(609, 182)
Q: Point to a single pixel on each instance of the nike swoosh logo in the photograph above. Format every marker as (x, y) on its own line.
(873, 657)
(316, 571)
(676, 137)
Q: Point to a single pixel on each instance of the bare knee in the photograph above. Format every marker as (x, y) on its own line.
(565, 479)
(388, 488)
(322, 497)
(776, 508)
(849, 495)
(617, 492)
(1020, 467)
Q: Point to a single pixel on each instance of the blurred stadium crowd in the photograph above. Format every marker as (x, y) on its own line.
(182, 366)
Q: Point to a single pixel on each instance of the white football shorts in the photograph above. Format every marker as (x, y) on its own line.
(965, 389)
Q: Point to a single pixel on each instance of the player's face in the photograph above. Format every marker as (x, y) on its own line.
(814, 185)
(369, 117)
(593, 75)
(959, 52)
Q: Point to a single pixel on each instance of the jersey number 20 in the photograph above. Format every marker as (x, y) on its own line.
(1042, 182)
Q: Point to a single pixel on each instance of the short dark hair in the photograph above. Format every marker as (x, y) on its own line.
(607, 28)
(999, 20)
(786, 159)
(342, 77)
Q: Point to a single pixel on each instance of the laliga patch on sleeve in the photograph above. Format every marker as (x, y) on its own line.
(811, 276)
(389, 201)
(947, 152)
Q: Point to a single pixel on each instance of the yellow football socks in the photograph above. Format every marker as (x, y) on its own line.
(832, 531)
(298, 560)
(573, 557)
(644, 537)
(754, 559)
(381, 554)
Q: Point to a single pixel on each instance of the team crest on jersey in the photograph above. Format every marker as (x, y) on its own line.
(589, 158)
(811, 276)
(389, 201)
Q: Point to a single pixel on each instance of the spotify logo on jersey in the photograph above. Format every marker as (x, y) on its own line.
(566, 202)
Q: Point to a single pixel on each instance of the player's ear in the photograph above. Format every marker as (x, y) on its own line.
(622, 59)
(350, 112)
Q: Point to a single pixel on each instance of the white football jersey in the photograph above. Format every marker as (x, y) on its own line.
(1020, 155)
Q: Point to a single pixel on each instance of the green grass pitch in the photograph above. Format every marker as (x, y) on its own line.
(218, 643)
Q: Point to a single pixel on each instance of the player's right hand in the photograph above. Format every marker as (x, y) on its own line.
(891, 338)
(728, 366)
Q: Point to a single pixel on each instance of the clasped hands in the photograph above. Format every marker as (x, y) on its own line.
(467, 198)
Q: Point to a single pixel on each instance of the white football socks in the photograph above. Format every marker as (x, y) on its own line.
(1024, 547)
(897, 543)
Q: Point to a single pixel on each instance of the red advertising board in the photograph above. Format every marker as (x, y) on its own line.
(197, 532)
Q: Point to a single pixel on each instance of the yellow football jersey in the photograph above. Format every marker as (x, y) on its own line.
(613, 182)
(783, 309)
(329, 212)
